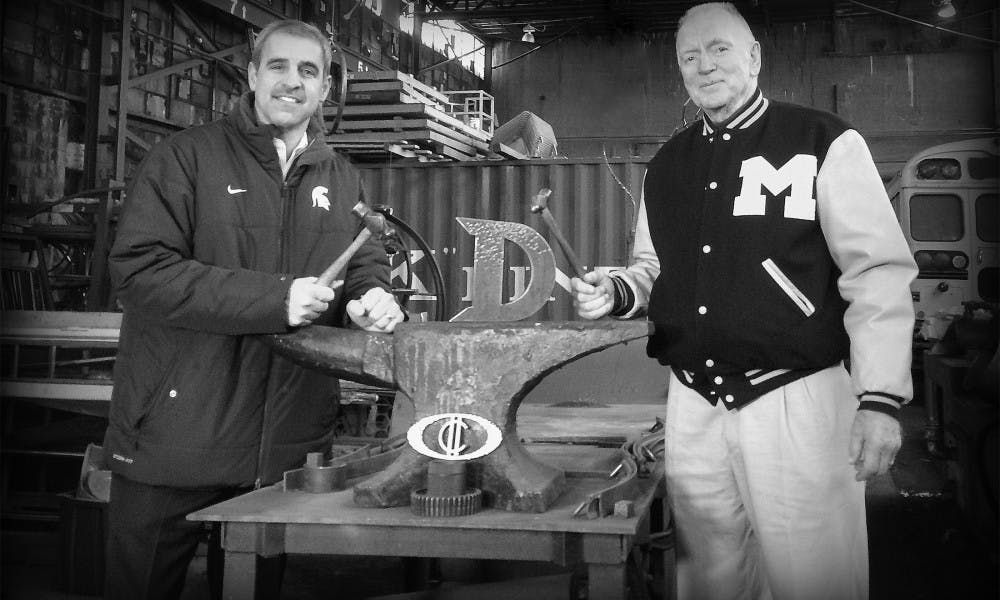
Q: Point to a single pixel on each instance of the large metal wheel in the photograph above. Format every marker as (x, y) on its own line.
(398, 247)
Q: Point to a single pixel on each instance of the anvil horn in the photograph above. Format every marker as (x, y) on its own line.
(358, 356)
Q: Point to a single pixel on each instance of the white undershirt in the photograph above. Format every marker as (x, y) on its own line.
(285, 163)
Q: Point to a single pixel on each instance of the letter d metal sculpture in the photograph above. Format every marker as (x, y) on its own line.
(488, 273)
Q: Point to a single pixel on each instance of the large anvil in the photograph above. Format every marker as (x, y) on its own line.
(484, 369)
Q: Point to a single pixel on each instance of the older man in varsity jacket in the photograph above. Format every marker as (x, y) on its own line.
(766, 254)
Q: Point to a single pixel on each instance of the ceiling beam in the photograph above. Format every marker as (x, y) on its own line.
(514, 12)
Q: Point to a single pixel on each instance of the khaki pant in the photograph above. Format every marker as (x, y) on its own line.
(764, 498)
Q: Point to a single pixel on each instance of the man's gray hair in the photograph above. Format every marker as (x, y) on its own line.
(298, 29)
(728, 7)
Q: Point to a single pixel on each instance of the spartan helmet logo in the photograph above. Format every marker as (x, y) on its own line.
(319, 197)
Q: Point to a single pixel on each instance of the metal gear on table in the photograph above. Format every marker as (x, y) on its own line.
(446, 506)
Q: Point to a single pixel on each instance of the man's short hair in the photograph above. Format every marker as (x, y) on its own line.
(296, 28)
(729, 7)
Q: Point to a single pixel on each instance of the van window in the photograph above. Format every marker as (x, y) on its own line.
(989, 284)
(939, 168)
(983, 167)
(987, 221)
(936, 218)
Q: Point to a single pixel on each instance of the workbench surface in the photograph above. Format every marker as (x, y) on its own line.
(584, 465)
(274, 505)
(271, 521)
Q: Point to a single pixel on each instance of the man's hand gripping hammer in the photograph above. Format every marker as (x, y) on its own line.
(541, 205)
(374, 224)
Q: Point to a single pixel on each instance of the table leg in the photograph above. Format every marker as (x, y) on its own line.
(666, 544)
(416, 573)
(665, 564)
(933, 430)
(606, 582)
(240, 578)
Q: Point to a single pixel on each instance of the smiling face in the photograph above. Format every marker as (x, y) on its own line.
(719, 60)
(288, 82)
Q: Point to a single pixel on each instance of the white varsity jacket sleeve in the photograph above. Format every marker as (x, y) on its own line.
(876, 267)
(643, 271)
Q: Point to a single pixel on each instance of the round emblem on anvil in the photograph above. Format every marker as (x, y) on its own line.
(454, 436)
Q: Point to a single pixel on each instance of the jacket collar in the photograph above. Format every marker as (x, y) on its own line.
(747, 115)
(260, 137)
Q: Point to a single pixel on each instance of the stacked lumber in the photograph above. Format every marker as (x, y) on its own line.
(391, 87)
(390, 114)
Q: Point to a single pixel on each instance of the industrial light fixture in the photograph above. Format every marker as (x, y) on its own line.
(529, 34)
(945, 9)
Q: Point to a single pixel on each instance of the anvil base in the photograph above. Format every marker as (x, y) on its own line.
(510, 478)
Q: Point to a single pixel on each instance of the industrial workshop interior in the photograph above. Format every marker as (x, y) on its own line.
(501, 441)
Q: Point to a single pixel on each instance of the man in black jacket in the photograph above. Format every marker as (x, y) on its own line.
(223, 230)
(766, 253)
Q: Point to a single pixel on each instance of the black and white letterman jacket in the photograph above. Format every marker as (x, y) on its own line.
(766, 250)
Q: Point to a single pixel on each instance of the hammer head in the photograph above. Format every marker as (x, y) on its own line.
(541, 200)
(374, 221)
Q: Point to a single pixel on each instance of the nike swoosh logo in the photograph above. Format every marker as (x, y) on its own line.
(229, 188)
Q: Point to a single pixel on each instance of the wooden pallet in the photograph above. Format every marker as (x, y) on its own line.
(425, 132)
(381, 152)
(408, 111)
(425, 138)
(391, 113)
(355, 96)
(404, 126)
(391, 87)
(397, 76)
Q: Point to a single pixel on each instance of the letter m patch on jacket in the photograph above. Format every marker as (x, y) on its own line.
(757, 173)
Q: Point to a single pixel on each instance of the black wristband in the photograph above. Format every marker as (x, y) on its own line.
(624, 299)
(618, 299)
(882, 407)
(889, 403)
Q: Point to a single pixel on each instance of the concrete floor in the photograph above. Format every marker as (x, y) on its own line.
(921, 547)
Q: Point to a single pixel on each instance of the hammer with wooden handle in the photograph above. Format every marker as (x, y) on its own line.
(374, 223)
(541, 205)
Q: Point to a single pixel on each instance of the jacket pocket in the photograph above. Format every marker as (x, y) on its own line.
(155, 398)
(786, 285)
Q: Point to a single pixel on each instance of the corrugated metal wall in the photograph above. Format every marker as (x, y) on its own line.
(592, 201)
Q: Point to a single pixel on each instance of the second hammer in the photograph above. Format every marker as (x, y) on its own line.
(541, 205)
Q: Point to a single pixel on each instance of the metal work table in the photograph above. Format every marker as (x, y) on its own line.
(270, 522)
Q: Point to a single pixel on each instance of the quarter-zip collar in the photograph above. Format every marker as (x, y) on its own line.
(260, 137)
(747, 115)
(286, 160)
